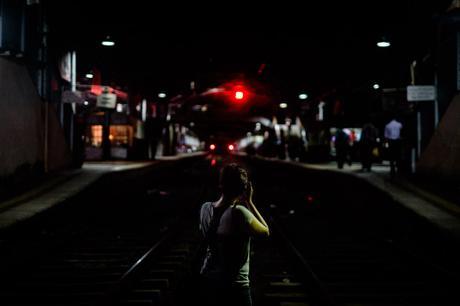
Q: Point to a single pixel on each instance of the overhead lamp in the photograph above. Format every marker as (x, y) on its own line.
(108, 42)
(283, 105)
(383, 43)
(376, 86)
(89, 76)
(303, 96)
(161, 95)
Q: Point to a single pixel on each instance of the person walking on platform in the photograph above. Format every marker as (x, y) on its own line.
(341, 147)
(393, 138)
(367, 143)
(227, 226)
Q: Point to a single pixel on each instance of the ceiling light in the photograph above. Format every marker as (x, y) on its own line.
(383, 44)
(303, 96)
(108, 42)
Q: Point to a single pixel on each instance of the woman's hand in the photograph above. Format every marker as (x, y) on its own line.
(246, 198)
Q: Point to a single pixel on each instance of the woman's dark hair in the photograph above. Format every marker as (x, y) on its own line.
(233, 180)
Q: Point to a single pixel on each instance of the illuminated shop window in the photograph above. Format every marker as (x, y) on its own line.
(96, 136)
(121, 135)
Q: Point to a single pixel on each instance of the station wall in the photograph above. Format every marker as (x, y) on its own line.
(22, 127)
(441, 158)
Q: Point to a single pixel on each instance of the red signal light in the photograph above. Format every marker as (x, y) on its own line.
(231, 147)
(212, 147)
(239, 95)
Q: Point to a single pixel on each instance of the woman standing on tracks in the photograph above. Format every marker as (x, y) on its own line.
(227, 226)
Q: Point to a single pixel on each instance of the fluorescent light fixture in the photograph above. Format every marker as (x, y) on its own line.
(89, 75)
(162, 95)
(108, 42)
(383, 44)
(283, 105)
(303, 96)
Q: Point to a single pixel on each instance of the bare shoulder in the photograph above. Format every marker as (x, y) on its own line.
(243, 212)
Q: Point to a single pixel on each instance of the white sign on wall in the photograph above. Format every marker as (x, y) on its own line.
(107, 100)
(421, 93)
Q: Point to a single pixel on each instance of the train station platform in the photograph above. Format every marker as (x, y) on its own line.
(58, 188)
(442, 211)
(64, 185)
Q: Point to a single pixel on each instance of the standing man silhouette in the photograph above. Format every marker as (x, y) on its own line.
(393, 138)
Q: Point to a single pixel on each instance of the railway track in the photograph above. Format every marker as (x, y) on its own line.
(281, 276)
(358, 270)
(356, 255)
(88, 255)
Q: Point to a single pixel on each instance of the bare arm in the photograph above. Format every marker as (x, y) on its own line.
(258, 225)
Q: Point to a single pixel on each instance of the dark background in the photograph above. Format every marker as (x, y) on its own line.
(312, 45)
